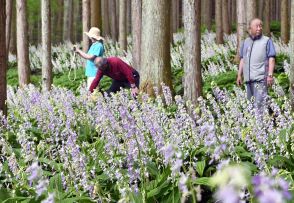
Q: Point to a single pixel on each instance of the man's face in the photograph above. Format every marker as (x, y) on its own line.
(256, 28)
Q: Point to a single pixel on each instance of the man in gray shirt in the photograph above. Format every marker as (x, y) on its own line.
(257, 63)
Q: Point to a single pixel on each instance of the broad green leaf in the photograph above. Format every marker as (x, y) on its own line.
(152, 169)
(200, 166)
(202, 181)
(158, 190)
(55, 183)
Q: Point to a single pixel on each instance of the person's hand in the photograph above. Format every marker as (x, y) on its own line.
(76, 48)
(239, 80)
(134, 91)
(270, 80)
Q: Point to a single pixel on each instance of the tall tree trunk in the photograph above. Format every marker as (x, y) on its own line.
(136, 32)
(46, 45)
(59, 21)
(23, 63)
(267, 18)
(77, 20)
(233, 11)
(278, 10)
(241, 25)
(260, 8)
(96, 20)
(251, 10)
(284, 21)
(207, 13)
(86, 24)
(218, 22)
(291, 75)
(113, 20)
(192, 55)
(3, 58)
(175, 16)
(129, 17)
(12, 44)
(8, 22)
(67, 25)
(156, 45)
(225, 17)
(105, 18)
(123, 24)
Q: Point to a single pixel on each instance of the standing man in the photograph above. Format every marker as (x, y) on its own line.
(257, 63)
(123, 75)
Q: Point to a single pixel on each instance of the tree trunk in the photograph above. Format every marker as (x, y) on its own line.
(129, 17)
(123, 24)
(260, 8)
(267, 18)
(46, 45)
(136, 33)
(8, 23)
(86, 24)
(156, 45)
(59, 22)
(207, 13)
(291, 75)
(218, 22)
(3, 58)
(105, 18)
(77, 22)
(225, 17)
(233, 11)
(68, 21)
(192, 55)
(284, 21)
(96, 20)
(23, 63)
(175, 16)
(251, 10)
(241, 26)
(12, 44)
(113, 20)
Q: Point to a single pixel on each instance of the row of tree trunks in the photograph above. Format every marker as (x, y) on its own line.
(96, 20)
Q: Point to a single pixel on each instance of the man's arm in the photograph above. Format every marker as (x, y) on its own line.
(240, 72)
(271, 67)
(96, 81)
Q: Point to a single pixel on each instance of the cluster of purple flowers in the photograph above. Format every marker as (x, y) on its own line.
(134, 133)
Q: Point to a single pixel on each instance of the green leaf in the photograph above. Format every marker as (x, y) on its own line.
(55, 183)
(202, 181)
(53, 164)
(200, 166)
(158, 189)
(152, 169)
(4, 194)
(174, 196)
(136, 197)
(16, 199)
(77, 199)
